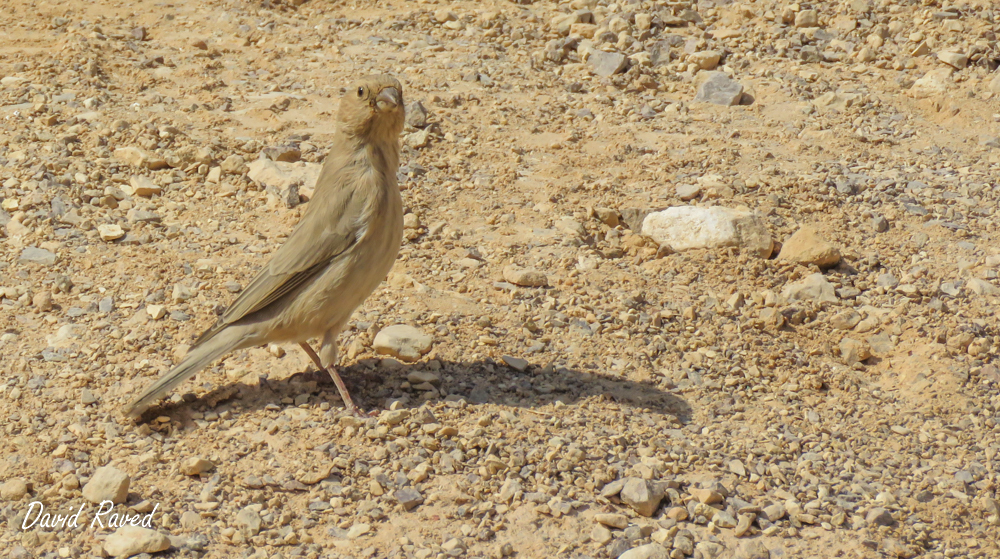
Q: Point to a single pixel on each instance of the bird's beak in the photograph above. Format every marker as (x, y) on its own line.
(387, 99)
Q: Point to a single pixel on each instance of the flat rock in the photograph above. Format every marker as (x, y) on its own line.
(706, 496)
(416, 115)
(34, 255)
(879, 516)
(719, 89)
(110, 231)
(688, 227)
(706, 59)
(107, 484)
(853, 351)
(403, 342)
(141, 186)
(285, 154)
(956, 60)
(813, 287)
(607, 63)
(515, 363)
(525, 277)
(933, 83)
(133, 540)
(140, 158)
(709, 550)
(648, 551)
(688, 191)
(14, 489)
(807, 246)
(641, 495)
(195, 465)
(613, 520)
(408, 497)
(248, 522)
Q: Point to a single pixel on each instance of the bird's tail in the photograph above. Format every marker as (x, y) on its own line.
(198, 358)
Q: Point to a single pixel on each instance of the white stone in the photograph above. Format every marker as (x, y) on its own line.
(814, 287)
(648, 551)
(133, 540)
(689, 227)
(403, 342)
(107, 484)
(110, 231)
(934, 82)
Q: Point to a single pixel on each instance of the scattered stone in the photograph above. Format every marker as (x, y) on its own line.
(14, 489)
(33, 255)
(710, 550)
(408, 497)
(248, 522)
(641, 495)
(524, 277)
(814, 287)
(107, 484)
(688, 192)
(707, 496)
(42, 301)
(194, 466)
(284, 154)
(648, 551)
(403, 342)
(807, 18)
(807, 246)
(688, 227)
(612, 520)
(140, 158)
(879, 516)
(601, 535)
(705, 60)
(723, 519)
(142, 186)
(110, 231)
(607, 63)
(719, 89)
(416, 115)
(954, 59)
(933, 83)
(752, 549)
(234, 165)
(156, 312)
(515, 363)
(132, 540)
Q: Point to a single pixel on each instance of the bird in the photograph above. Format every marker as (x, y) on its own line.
(342, 248)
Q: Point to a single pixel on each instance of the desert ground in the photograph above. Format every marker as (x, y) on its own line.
(679, 279)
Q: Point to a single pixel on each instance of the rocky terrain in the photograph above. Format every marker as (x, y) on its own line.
(711, 280)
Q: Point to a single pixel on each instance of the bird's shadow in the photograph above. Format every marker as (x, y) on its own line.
(481, 382)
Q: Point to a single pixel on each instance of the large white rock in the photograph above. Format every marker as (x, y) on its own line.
(107, 483)
(648, 551)
(934, 82)
(813, 287)
(687, 227)
(132, 540)
(403, 342)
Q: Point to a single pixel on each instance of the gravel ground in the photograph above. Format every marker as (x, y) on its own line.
(593, 363)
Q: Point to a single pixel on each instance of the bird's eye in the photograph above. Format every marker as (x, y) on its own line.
(361, 92)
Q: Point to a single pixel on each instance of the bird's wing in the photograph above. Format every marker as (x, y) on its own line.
(330, 226)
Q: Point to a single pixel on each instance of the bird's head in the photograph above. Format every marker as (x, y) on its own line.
(373, 108)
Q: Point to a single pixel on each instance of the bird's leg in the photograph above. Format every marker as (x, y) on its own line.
(332, 369)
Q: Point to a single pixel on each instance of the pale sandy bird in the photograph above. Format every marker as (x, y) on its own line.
(341, 250)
